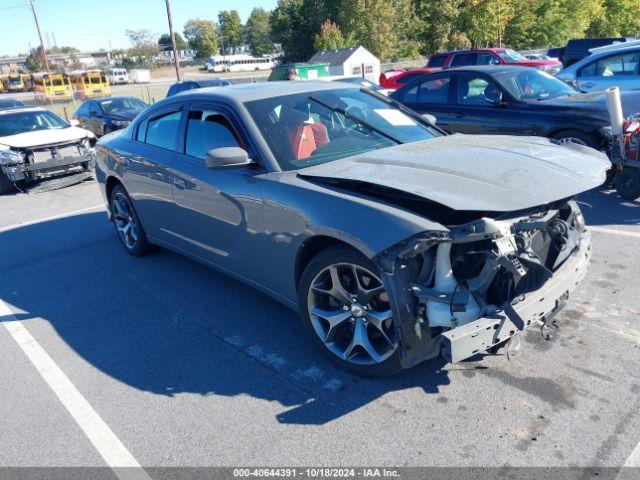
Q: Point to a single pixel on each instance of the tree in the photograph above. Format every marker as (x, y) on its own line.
(484, 21)
(288, 27)
(164, 42)
(144, 46)
(371, 24)
(230, 28)
(618, 18)
(407, 26)
(258, 32)
(202, 38)
(34, 62)
(330, 38)
(437, 24)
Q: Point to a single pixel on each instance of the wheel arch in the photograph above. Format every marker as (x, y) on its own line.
(109, 185)
(312, 246)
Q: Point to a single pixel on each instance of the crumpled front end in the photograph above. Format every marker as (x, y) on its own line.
(471, 290)
(47, 167)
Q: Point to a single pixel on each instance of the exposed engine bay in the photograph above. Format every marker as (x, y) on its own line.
(472, 289)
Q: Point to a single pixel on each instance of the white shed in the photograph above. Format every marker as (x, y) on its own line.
(350, 62)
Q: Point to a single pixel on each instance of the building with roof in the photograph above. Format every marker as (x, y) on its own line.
(350, 62)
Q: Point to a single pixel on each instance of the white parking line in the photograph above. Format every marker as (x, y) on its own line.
(54, 217)
(634, 459)
(114, 453)
(614, 231)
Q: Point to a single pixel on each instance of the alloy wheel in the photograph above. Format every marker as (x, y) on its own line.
(125, 221)
(350, 312)
(566, 140)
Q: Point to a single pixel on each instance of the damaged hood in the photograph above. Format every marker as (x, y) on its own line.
(43, 137)
(476, 173)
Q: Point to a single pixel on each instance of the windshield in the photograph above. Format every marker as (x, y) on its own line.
(530, 84)
(311, 128)
(114, 105)
(22, 122)
(510, 56)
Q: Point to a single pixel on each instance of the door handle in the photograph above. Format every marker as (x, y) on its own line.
(457, 115)
(180, 183)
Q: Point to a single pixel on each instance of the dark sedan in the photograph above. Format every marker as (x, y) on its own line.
(395, 242)
(105, 115)
(512, 101)
(7, 103)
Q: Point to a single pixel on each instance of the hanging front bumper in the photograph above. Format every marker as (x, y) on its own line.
(481, 335)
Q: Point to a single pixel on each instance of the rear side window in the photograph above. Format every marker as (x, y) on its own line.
(463, 59)
(437, 61)
(434, 91)
(207, 130)
(163, 130)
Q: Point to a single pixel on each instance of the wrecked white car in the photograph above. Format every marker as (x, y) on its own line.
(394, 241)
(40, 151)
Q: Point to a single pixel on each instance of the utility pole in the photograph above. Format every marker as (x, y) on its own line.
(173, 42)
(44, 53)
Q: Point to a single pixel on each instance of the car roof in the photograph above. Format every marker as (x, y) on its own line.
(488, 68)
(247, 92)
(471, 50)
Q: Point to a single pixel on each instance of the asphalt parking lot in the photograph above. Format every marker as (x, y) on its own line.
(186, 367)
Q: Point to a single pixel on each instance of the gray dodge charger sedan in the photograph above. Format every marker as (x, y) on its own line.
(394, 241)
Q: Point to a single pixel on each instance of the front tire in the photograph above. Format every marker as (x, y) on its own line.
(627, 183)
(345, 309)
(576, 136)
(127, 224)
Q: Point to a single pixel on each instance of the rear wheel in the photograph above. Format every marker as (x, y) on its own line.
(627, 183)
(345, 308)
(127, 224)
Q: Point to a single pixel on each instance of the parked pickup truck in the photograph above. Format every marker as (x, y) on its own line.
(41, 151)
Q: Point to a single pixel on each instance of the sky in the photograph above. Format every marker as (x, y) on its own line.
(92, 25)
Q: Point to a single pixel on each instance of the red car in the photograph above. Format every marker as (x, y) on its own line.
(394, 79)
(489, 56)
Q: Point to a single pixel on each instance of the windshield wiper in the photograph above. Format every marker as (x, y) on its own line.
(364, 123)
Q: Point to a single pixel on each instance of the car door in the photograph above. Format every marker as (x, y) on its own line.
(620, 70)
(473, 113)
(148, 178)
(430, 95)
(215, 206)
(94, 119)
(82, 114)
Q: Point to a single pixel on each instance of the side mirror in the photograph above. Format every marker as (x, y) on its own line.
(227, 157)
(430, 119)
(494, 97)
(73, 122)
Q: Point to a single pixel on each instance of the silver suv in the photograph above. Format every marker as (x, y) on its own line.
(611, 66)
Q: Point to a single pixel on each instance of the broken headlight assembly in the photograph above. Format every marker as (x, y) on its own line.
(9, 157)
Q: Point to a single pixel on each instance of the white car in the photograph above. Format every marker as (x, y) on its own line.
(117, 76)
(41, 151)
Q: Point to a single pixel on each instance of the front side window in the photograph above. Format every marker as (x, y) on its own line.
(317, 127)
(472, 90)
(23, 122)
(162, 130)
(486, 58)
(613, 66)
(207, 130)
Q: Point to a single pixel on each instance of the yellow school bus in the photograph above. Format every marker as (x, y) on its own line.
(90, 84)
(13, 83)
(51, 86)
